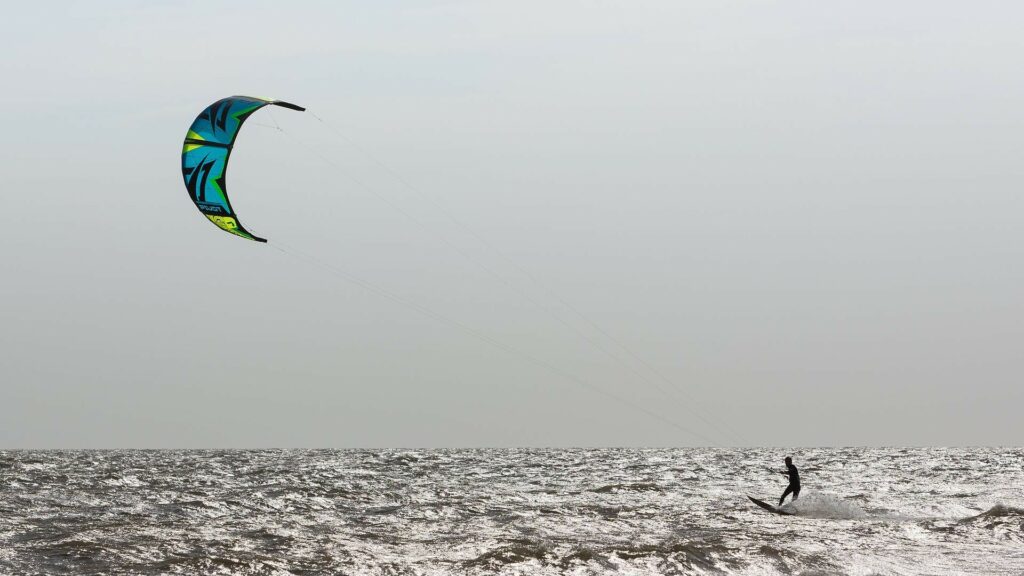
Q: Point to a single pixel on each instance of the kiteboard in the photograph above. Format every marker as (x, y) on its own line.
(769, 507)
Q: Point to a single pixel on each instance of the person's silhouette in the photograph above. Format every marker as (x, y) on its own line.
(794, 481)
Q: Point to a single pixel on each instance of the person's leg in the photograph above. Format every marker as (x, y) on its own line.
(796, 494)
(786, 493)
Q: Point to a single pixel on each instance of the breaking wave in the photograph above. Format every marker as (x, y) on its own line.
(998, 513)
(1001, 521)
(824, 506)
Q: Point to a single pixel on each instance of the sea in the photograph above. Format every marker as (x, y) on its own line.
(921, 511)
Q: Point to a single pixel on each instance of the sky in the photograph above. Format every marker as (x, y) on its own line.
(572, 223)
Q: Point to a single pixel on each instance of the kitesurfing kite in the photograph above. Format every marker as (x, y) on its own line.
(204, 157)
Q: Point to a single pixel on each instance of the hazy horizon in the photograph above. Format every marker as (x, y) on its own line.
(789, 224)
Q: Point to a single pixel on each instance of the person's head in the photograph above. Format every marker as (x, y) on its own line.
(788, 460)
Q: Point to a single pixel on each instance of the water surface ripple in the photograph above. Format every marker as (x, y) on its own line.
(517, 511)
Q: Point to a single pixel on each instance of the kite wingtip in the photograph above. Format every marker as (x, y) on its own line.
(288, 105)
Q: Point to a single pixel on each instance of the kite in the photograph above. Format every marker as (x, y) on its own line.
(204, 157)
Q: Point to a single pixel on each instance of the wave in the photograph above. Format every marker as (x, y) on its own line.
(668, 557)
(1004, 522)
(824, 506)
(635, 487)
(997, 512)
(513, 552)
(688, 555)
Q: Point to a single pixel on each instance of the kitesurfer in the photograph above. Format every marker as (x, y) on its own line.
(794, 481)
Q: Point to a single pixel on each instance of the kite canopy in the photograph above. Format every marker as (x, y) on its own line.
(204, 157)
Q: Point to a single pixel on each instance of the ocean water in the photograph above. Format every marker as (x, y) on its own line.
(517, 511)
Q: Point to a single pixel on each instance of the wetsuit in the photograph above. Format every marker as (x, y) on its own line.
(794, 483)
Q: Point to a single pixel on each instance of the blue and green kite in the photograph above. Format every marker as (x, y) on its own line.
(204, 157)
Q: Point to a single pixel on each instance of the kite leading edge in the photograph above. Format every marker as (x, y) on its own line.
(204, 157)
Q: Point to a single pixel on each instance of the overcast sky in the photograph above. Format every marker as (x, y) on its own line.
(598, 223)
